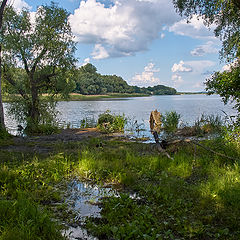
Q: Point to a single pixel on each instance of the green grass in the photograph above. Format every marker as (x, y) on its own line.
(195, 196)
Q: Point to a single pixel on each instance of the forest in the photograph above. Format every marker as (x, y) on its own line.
(89, 82)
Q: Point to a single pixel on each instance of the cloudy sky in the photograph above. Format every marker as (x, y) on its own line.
(144, 41)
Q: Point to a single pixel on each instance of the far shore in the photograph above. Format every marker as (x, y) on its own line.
(81, 97)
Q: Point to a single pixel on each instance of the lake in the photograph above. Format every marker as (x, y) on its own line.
(138, 108)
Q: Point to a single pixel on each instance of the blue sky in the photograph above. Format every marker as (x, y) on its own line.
(144, 41)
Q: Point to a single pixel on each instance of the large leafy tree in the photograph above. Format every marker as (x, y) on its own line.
(225, 15)
(43, 48)
(2, 7)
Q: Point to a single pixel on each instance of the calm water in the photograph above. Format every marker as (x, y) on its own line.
(189, 106)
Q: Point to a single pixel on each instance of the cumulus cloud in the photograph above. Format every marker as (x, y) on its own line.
(194, 29)
(181, 67)
(147, 77)
(200, 66)
(209, 47)
(191, 72)
(19, 4)
(99, 52)
(122, 29)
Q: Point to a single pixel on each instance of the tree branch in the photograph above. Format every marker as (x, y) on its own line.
(24, 61)
(13, 83)
(37, 60)
(45, 77)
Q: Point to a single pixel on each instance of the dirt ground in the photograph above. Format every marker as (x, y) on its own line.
(44, 144)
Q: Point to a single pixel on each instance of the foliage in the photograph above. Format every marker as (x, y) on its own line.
(188, 198)
(88, 81)
(170, 121)
(208, 124)
(42, 53)
(110, 123)
(223, 14)
(88, 123)
(227, 85)
(23, 219)
(195, 196)
(4, 135)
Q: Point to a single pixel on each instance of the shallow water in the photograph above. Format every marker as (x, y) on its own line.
(83, 198)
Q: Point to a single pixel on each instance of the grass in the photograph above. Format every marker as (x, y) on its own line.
(195, 196)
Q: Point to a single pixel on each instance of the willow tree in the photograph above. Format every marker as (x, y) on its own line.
(225, 15)
(38, 55)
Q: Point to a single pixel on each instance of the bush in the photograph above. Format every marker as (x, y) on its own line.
(110, 123)
(42, 129)
(170, 121)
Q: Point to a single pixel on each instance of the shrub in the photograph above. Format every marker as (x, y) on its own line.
(42, 129)
(170, 121)
(110, 123)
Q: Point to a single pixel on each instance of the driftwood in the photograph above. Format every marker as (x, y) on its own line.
(155, 121)
(155, 126)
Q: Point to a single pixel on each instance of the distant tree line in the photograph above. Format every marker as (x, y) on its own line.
(89, 82)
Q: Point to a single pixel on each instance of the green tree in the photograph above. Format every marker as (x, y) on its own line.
(2, 7)
(227, 85)
(44, 49)
(224, 14)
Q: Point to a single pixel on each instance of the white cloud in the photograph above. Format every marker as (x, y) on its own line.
(177, 80)
(146, 78)
(181, 67)
(162, 35)
(126, 27)
(85, 61)
(199, 67)
(19, 4)
(99, 52)
(194, 29)
(193, 73)
(209, 47)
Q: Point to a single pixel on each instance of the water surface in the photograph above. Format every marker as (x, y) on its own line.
(139, 108)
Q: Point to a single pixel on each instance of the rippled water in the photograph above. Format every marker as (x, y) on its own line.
(139, 108)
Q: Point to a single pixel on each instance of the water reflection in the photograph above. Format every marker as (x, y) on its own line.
(83, 199)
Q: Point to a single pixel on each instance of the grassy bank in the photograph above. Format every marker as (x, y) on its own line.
(195, 196)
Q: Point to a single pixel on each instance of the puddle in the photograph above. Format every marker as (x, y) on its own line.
(83, 199)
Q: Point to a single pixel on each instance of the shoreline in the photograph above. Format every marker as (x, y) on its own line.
(81, 97)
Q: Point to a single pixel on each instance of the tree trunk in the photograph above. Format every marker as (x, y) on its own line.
(1, 104)
(4, 2)
(34, 111)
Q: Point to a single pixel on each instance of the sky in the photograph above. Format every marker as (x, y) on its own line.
(144, 41)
